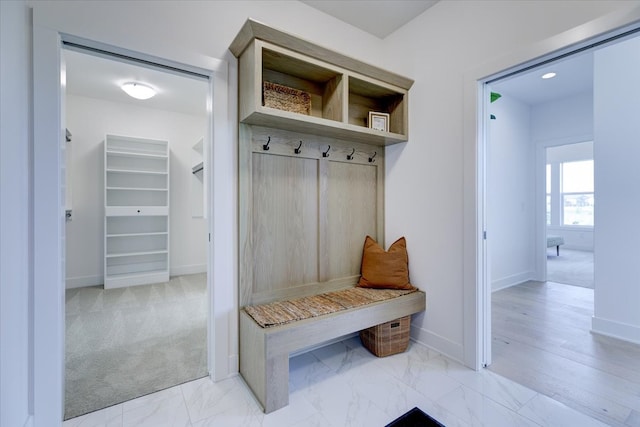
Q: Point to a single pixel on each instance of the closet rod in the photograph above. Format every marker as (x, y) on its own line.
(197, 168)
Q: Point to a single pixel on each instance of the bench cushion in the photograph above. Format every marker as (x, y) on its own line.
(282, 312)
(554, 241)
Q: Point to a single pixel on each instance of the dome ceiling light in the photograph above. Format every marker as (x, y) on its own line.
(138, 90)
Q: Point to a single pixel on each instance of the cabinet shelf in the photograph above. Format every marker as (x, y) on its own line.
(342, 90)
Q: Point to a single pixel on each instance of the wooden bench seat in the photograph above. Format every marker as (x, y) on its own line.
(264, 352)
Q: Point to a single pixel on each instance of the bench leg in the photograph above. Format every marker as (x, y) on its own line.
(267, 378)
(558, 250)
(277, 383)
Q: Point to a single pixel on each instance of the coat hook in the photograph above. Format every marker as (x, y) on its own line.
(298, 150)
(326, 153)
(350, 156)
(372, 158)
(265, 147)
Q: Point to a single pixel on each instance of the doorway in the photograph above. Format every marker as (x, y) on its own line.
(570, 220)
(542, 325)
(136, 286)
(49, 212)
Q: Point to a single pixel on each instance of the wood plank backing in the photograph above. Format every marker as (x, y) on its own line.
(352, 215)
(285, 229)
(303, 217)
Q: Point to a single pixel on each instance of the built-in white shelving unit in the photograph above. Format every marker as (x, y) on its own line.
(136, 197)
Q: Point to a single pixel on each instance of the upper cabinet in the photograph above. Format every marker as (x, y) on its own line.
(292, 84)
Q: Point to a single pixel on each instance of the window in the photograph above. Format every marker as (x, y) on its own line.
(577, 193)
(569, 193)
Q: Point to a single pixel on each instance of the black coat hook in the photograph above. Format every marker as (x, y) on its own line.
(350, 156)
(372, 158)
(298, 150)
(326, 153)
(265, 147)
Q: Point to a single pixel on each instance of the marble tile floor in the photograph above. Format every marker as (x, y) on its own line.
(342, 384)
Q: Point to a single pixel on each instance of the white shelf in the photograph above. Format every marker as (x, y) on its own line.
(136, 197)
(130, 254)
(136, 172)
(130, 154)
(136, 189)
(159, 233)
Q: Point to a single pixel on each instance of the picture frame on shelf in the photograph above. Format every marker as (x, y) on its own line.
(379, 121)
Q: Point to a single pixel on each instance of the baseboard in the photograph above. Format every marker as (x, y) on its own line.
(440, 344)
(182, 270)
(610, 328)
(512, 280)
(234, 364)
(83, 281)
(574, 248)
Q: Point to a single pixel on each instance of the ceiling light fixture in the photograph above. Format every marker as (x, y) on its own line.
(138, 90)
(548, 76)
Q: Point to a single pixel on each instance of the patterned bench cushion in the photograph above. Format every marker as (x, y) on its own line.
(281, 312)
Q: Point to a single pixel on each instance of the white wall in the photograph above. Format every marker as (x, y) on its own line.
(616, 130)
(567, 120)
(89, 120)
(426, 177)
(15, 277)
(510, 193)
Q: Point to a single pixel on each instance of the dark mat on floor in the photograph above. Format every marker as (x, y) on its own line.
(414, 418)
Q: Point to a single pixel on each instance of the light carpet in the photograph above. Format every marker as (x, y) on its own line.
(572, 267)
(128, 342)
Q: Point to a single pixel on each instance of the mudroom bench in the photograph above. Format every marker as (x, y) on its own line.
(313, 124)
(265, 350)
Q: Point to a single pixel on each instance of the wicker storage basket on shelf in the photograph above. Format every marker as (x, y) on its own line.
(286, 98)
(388, 338)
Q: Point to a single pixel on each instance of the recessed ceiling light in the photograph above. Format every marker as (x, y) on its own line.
(138, 90)
(548, 75)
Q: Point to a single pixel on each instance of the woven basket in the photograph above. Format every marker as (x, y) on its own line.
(388, 338)
(286, 98)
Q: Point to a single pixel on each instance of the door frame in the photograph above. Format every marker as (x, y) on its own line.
(49, 215)
(477, 250)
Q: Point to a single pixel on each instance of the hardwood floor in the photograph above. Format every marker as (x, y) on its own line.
(542, 339)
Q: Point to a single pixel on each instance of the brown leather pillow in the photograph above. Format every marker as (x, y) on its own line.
(380, 269)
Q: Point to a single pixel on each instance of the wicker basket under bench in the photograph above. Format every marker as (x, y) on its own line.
(264, 352)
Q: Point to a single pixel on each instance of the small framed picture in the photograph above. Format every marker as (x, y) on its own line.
(379, 121)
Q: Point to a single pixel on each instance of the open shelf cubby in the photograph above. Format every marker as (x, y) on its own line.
(342, 90)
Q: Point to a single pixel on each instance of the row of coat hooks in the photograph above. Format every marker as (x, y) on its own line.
(298, 150)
